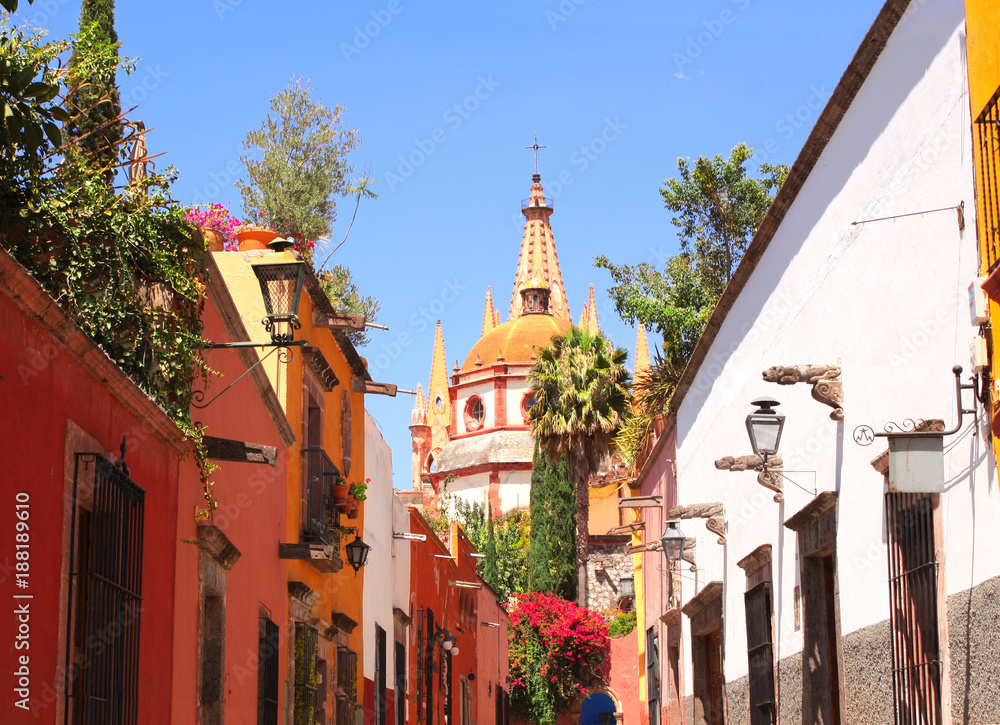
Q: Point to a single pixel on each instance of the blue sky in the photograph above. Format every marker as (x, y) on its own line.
(445, 96)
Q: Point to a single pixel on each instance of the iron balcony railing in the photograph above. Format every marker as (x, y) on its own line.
(546, 204)
(987, 137)
(320, 517)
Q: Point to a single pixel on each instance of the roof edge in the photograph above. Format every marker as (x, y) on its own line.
(322, 303)
(33, 300)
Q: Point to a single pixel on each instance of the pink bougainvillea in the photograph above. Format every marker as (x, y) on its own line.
(216, 216)
(557, 651)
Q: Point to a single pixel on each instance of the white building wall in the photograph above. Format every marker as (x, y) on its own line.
(382, 574)
(515, 490)
(517, 388)
(887, 301)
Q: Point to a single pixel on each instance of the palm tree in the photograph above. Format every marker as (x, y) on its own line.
(581, 391)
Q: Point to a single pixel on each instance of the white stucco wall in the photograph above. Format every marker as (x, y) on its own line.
(886, 301)
(385, 571)
(516, 390)
(515, 490)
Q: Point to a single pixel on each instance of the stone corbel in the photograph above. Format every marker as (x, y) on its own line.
(690, 554)
(716, 522)
(768, 476)
(825, 379)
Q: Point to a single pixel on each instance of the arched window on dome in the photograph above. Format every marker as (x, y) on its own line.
(526, 402)
(475, 413)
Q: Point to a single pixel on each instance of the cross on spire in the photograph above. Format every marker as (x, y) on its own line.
(536, 147)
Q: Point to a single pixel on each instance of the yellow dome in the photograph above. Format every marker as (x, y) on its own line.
(517, 339)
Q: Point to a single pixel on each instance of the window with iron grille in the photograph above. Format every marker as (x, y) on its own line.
(420, 668)
(400, 683)
(306, 650)
(320, 516)
(987, 133)
(760, 652)
(267, 672)
(347, 673)
(322, 682)
(380, 680)
(429, 668)
(913, 582)
(653, 675)
(105, 595)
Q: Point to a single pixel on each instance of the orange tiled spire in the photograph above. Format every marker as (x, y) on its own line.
(584, 316)
(438, 400)
(641, 353)
(419, 415)
(496, 318)
(489, 314)
(538, 255)
(592, 325)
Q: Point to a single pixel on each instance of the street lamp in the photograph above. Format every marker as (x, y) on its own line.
(357, 553)
(673, 542)
(764, 426)
(281, 277)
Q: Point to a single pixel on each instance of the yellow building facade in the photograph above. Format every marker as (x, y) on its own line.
(983, 57)
(321, 386)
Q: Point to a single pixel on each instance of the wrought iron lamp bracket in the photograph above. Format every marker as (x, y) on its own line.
(284, 357)
(908, 428)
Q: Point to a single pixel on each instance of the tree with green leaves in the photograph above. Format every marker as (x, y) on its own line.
(717, 207)
(490, 572)
(297, 165)
(95, 106)
(503, 539)
(582, 396)
(552, 546)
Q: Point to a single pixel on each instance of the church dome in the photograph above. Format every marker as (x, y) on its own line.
(516, 339)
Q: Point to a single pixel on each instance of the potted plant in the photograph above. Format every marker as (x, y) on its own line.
(358, 489)
(353, 509)
(341, 495)
(254, 236)
(218, 226)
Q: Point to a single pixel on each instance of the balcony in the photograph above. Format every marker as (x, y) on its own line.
(987, 149)
(319, 542)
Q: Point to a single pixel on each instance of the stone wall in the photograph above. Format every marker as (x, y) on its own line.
(604, 584)
(974, 636)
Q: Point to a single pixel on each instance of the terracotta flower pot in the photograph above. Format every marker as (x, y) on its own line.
(341, 498)
(216, 242)
(354, 508)
(255, 239)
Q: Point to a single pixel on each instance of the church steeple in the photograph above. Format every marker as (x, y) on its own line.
(489, 315)
(592, 326)
(438, 398)
(588, 318)
(538, 259)
(419, 415)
